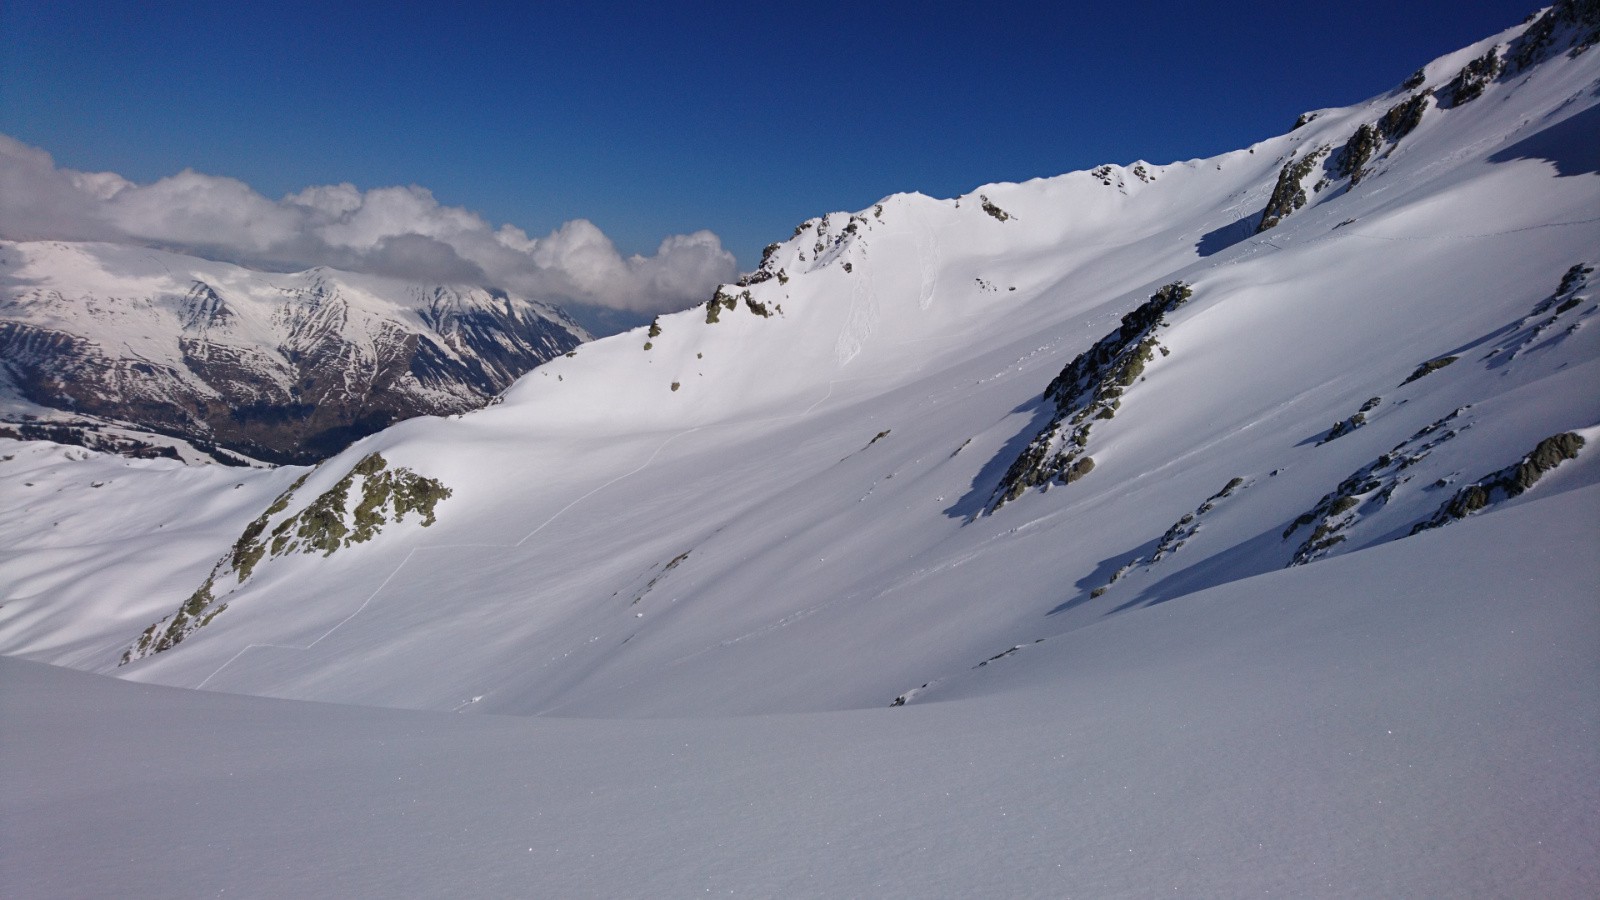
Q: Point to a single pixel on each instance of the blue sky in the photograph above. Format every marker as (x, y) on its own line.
(658, 119)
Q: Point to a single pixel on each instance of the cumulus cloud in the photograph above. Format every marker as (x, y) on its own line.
(398, 231)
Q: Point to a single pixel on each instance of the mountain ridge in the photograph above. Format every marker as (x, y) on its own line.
(285, 367)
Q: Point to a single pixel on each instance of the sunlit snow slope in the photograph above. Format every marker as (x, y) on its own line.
(1433, 734)
(786, 500)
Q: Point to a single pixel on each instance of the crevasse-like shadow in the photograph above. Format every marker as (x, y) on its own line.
(971, 504)
(1220, 239)
(1102, 574)
(1263, 553)
(1573, 145)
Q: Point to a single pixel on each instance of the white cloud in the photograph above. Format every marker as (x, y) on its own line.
(399, 231)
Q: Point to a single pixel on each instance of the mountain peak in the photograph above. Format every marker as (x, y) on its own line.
(277, 366)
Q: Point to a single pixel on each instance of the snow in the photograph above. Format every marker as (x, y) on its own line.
(808, 544)
(1431, 733)
(675, 590)
(132, 304)
(101, 543)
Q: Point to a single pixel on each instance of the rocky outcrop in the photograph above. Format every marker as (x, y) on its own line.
(1089, 389)
(325, 525)
(1511, 481)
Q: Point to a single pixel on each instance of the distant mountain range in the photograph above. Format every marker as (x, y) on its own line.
(125, 348)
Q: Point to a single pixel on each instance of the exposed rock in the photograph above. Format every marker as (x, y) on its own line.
(1469, 83)
(325, 525)
(1342, 428)
(1289, 194)
(1173, 539)
(1571, 25)
(1509, 482)
(1403, 118)
(1368, 488)
(1088, 388)
(1357, 152)
(993, 210)
(1428, 368)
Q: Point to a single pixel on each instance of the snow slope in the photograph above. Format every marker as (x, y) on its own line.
(804, 522)
(1319, 619)
(827, 467)
(1433, 734)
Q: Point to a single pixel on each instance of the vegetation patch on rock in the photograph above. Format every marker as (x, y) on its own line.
(324, 525)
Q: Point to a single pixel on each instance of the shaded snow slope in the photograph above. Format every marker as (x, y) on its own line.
(783, 500)
(1418, 719)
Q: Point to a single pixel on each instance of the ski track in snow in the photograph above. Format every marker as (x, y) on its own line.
(1455, 237)
(858, 324)
(525, 538)
(928, 260)
(1256, 246)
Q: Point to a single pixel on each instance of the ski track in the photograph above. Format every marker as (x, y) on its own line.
(525, 538)
(928, 260)
(1455, 237)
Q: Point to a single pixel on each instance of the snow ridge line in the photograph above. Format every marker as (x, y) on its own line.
(1452, 237)
(558, 513)
(1267, 242)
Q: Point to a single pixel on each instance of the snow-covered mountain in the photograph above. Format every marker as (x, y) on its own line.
(1226, 524)
(280, 367)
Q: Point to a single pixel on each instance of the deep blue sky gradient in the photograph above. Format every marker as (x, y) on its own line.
(657, 118)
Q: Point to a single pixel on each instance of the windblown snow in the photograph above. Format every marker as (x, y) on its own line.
(1317, 617)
